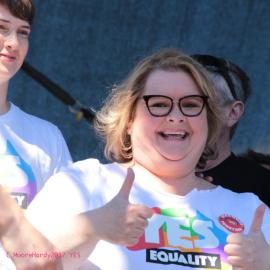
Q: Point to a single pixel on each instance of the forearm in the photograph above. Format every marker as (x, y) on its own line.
(19, 236)
(73, 237)
(23, 238)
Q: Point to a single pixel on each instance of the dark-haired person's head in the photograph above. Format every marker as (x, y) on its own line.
(232, 85)
(16, 17)
(22, 9)
(233, 88)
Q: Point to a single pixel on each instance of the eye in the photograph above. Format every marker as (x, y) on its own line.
(159, 104)
(3, 29)
(191, 104)
(23, 33)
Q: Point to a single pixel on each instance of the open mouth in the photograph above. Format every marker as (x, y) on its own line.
(181, 135)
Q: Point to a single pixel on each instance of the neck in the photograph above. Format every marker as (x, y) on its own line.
(4, 104)
(180, 185)
(224, 151)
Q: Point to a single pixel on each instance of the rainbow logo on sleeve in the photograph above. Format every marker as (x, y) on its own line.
(183, 238)
(17, 176)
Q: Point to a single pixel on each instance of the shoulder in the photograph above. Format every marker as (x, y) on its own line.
(71, 189)
(94, 174)
(253, 172)
(33, 128)
(236, 199)
(83, 168)
(242, 204)
(36, 121)
(249, 164)
(239, 173)
(89, 172)
(28, 121)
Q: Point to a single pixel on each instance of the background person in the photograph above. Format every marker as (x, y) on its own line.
(226, 169)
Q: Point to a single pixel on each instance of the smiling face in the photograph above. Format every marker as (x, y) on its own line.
(168, 146)
(14, 34)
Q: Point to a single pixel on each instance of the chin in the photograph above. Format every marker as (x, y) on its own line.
(174, 157)
(177, 162)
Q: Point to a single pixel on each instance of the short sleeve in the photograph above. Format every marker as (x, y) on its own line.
(65, 194)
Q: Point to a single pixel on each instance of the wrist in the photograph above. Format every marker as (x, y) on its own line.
(89, 223)
(13, 229)
(11, 215)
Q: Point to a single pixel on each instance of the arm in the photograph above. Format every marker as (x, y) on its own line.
(18, 235)
(117, 222)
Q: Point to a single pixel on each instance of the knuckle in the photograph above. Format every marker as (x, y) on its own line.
(227, 249)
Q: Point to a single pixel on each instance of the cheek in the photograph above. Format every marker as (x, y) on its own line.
(139, 127)
(205, 132)
(1, 43)
(143, 127)
(25, 51)
(24, 45)
(200, 126)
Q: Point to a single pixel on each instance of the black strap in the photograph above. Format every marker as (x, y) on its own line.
(80, 110)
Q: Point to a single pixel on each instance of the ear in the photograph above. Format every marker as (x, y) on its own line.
(236, 111)
(129, 127)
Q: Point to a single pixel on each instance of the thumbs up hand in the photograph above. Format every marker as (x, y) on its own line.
(249, 252)
(119, 221)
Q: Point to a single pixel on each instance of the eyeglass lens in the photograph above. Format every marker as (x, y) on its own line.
(162, 105)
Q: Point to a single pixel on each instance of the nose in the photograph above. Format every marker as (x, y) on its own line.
(12, 41)
(176, 115)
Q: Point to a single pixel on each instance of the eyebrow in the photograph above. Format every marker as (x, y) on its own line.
(23, 26)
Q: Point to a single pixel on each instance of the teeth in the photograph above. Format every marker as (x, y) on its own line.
(180, 134)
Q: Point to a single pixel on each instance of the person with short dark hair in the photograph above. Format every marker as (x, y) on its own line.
(31, 149)
(227, 169)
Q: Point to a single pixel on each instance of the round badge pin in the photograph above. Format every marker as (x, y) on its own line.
(231, 223)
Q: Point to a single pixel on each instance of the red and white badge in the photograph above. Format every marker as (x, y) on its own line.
(231, 223)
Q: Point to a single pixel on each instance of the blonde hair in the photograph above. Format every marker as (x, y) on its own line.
(118, 110)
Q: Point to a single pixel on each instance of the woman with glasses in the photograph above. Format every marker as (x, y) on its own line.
(147, 209)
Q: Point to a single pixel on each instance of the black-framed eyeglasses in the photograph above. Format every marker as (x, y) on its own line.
(220, 66)
(159, 105)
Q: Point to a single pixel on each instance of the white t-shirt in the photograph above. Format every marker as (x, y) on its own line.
(186, 232)
(31, 150)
